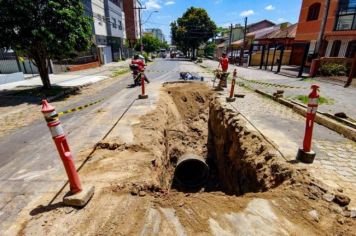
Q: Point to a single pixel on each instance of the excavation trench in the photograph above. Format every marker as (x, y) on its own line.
(210, 147)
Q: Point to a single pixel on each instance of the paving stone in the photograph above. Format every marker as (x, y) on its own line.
(344, 173)
(331, 154)
(329, 167)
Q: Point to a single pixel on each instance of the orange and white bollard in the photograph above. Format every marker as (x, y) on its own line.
(143, 95)
(306, 155)
(77, 196)
(231, 98)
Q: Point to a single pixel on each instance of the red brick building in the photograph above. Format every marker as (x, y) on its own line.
(340, 31)
(132, 22)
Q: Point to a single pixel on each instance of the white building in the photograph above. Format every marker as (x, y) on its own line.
(108, 27)
(157, 33)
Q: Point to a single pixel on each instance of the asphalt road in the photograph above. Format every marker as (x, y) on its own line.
(30, 165)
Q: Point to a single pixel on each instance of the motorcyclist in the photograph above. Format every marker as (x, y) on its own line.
(140, 67)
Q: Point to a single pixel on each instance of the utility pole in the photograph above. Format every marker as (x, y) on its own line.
(139, 19)
(230, 41)
(244, 43)
(319, 42)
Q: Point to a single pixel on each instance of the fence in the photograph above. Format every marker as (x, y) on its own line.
(283, 58)
(10, 63)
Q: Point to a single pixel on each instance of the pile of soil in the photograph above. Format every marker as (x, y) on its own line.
(135, 192)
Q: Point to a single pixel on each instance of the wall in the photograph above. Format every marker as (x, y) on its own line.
(98, 9)
(309, 30)
(10, 78)
(116, 13)
(256, 57)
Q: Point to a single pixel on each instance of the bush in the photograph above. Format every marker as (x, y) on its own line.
(145, 55)
(333, 69)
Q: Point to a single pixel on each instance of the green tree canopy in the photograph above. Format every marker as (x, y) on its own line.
(44, 29)
(192, 29)
(150, 44)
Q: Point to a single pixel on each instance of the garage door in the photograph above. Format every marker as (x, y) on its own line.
(107, 55)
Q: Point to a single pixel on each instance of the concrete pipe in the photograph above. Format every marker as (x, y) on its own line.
(191, 171)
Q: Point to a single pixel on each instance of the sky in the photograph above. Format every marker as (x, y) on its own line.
(223, 12)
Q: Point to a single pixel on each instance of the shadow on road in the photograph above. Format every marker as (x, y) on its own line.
(42, 209)
(34, 95)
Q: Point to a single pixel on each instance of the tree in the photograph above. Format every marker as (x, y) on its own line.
(209, 49)
(44, 29)
(222, 31)
(150, 44)
(192, 29)
(164, 45)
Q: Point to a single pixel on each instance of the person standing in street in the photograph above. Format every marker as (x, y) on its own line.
(224, 63)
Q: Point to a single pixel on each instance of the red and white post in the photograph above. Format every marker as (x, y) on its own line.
(231, 98)
(306, 154)
(143, 95)
(77, 196)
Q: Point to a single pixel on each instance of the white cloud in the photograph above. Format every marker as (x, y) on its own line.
(152, 4)
(280, 20)
(270, 8)
(218, 1)
(169, 3)
(247, 13)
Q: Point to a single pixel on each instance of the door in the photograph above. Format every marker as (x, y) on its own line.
(107, 54)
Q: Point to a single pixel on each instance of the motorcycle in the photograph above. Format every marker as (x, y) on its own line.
(136, 74)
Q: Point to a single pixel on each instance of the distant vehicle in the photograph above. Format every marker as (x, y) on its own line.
(163, 53)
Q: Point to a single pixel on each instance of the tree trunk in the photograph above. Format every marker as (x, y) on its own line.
(41, 63)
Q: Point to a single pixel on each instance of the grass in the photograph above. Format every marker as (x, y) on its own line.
(119, 72)
(307, 79)
(322, 100)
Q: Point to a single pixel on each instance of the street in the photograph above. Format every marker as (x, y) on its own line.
(32, 171)
(30, 166)
(164, 117)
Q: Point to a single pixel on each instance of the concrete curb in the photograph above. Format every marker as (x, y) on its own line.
(321, 119)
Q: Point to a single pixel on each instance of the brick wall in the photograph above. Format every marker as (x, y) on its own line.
(84, 66)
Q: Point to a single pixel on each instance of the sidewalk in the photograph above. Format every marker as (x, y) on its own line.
(72, 79)
(341, 99)
(335, 162)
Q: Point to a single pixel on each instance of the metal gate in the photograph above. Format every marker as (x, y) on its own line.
(288, 59)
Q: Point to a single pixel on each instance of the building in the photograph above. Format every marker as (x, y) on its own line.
(339, 39)
(237, 35)
(132, 21)
(283, 34)
(108, 27)
(157, 33)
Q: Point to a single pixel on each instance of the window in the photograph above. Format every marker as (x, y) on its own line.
(313, 12)
(351, 49)
(120, 24)
(346, 16)
(114, 23)
(335, 48)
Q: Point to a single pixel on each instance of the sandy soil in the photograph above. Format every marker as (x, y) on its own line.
(20, 114)
(134, 194)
